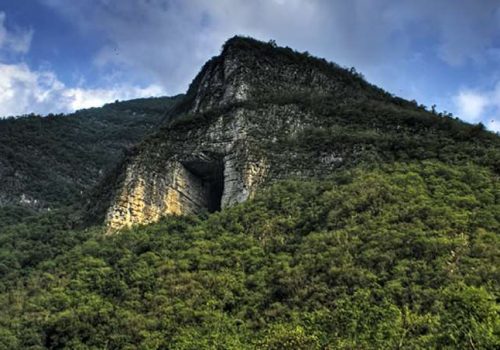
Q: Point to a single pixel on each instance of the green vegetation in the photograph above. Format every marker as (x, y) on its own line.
(391, 242)
(402, 256)
(286, 56)
(375, 131)
(359, 131)
(54, 160)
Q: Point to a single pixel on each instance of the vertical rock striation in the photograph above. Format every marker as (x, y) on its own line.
(229, 135)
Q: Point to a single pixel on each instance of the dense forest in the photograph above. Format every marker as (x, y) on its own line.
(401, 256)
(51, 161)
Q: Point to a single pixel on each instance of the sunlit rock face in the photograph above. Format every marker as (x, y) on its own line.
(207, 169)
(230, 136)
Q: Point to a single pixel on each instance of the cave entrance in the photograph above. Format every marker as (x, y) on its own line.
(211, 175)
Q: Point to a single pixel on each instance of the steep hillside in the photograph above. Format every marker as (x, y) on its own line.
(49, 162)
(403, 256)
(258, 113)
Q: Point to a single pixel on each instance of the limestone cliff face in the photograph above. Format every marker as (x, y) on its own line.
(229, 137)
(206, 169)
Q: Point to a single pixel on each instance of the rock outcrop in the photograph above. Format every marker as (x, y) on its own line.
(231, 134)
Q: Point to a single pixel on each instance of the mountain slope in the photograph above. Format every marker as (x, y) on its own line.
(402, 256)
(48, 162)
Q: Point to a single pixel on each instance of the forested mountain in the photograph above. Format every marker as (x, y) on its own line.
(51, 161)
(282, 203)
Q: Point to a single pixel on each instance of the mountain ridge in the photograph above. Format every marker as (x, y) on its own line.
(247, 120)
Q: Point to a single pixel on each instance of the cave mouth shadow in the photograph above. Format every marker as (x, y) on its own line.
(210, 172)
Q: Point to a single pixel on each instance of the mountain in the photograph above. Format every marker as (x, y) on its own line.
(282, 203)
(258, 113)
(50, 162)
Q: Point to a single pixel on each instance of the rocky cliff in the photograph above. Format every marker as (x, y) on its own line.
(254, 114)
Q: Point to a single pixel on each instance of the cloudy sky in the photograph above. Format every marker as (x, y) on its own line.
(60, 55)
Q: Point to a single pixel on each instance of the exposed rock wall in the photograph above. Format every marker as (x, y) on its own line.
(178, 176)
(167, 176)
(145, 197)
(228, 143)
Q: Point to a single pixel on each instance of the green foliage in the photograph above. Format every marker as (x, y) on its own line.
(284, 336)
(374, 132)
(36, 239)
(52, 161)
(286, 56)
(404, 256)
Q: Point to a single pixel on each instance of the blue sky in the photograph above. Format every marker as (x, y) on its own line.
(60, 55)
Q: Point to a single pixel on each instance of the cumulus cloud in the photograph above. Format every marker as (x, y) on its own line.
(78, 98)
(471, 105)
(14, 41)
(462, 29)
(477, 106)
(25, 91)
(168, 40)
(493, 125)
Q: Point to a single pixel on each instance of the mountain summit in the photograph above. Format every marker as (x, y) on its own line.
(257, 113)
(250, 70)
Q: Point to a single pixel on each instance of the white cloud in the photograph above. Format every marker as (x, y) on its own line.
(461, 31)
(483, 106)
(26, 91)
(494, 125)
(14, 41)
(78, 98)
(471, 105)
(169, 40)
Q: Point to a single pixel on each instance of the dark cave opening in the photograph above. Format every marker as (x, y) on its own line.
(211, 175)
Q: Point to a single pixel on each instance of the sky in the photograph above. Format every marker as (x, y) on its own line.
(60, 55)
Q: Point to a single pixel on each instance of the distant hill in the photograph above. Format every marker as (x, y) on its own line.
(51, 161)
